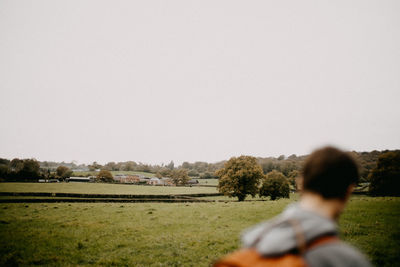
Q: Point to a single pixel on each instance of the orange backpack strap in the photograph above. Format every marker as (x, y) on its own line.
(249, 257)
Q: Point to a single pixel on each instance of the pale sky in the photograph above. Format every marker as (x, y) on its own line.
(154, 81)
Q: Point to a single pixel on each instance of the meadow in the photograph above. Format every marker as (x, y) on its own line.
(208, 182)
(169, 234)
(102, 188)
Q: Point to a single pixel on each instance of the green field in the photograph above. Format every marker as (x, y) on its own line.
(102, 188)
(213, 182)
(162, 234)
(94, 173)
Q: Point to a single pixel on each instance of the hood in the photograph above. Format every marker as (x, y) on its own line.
(277, 236)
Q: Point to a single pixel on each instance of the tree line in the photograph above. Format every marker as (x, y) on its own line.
(29, 170)
(245, 175)
(371, 164)
(283, 164)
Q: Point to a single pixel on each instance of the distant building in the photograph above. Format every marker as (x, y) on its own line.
(193, 181)
(127, 179)
(154, 181)
(166, 181)
(143, 179)
(119, 177)
(80, 179)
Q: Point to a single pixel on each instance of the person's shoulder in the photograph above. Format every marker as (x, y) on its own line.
(336, 254)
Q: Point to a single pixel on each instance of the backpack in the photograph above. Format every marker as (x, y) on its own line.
(249, 257)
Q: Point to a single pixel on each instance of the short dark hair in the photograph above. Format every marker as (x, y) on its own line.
(329, 172)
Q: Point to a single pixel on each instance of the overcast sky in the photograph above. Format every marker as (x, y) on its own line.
(154, 81)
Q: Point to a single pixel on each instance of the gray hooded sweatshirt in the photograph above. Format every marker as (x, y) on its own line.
(277, 237)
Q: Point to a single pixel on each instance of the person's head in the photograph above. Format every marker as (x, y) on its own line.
(330, 173)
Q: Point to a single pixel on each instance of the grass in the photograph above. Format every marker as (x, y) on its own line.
(101, 188)
(158, 234)
(372, 225)
(94, 173)
(208, 181)
(114, 234)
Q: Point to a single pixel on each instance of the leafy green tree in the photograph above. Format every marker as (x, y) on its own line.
(193, 173)
(207, 175)
(63, 172)
(286, 167)
(166, 172)
(129, 166)
(268, 166)
(186, 165)
(4, 161)
(143, 167)
(275, 185)
(105, 176)
(16, 165)
(111, 166)
(4, 171)
(179, 177)
(385, 178)
(94, 166)
(170, 165)
(200, 166)
(30, 169)
(240, 177)
(293, 175)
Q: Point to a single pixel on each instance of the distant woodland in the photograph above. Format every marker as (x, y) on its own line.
(31, 169)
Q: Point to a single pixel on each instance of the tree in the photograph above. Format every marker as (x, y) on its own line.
(268, 166)
(16, 165)
(179, 177)
(240, 177)
(293, 175)
(165, 172)
(94, 166)
(105, 176)
(281, 157)
(4, 171)
(170, 165)
(4, 161)
(130, 166)
(63, 172)
(385, 178)
(111, 166)
(186, 165)
(193, 173)
(30, 169)
(207, 175)
(275, 185)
